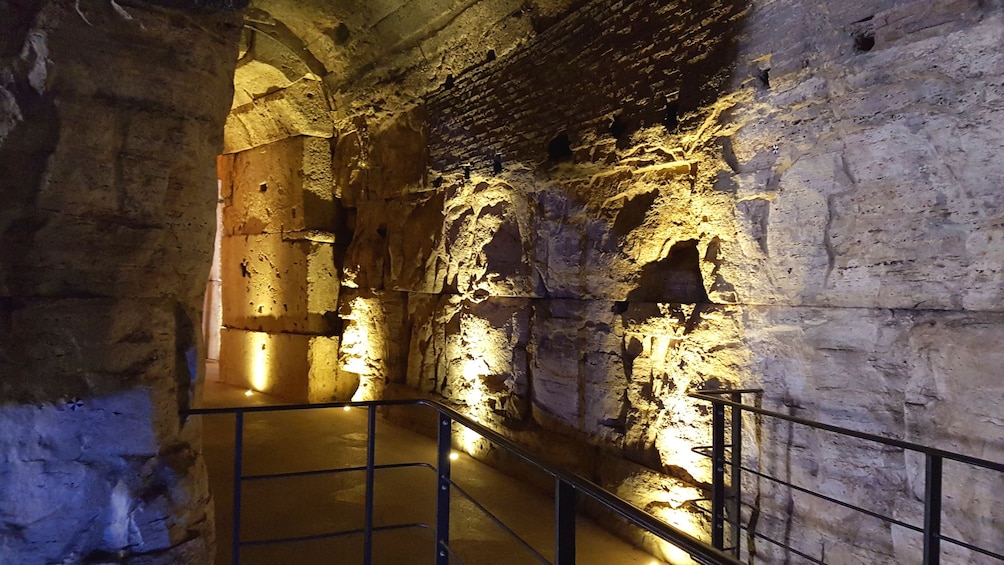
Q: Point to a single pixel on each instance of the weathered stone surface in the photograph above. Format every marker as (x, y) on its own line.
(106, 221)
(824, 182)
(298, 367)
(663, 198)
(878, 193)
(373, 342)
(299, 109)
(908, 369)
(279, 187)
(104, 475)
(276, 284)
(395, 244)
(398, 155)
(487, 235)
(472, 353)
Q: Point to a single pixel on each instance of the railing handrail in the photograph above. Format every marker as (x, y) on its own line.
(693, 546)
(925, 449)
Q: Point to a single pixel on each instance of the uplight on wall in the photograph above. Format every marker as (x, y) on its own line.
(259, 359)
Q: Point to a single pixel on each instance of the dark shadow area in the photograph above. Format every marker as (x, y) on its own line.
(677, 278)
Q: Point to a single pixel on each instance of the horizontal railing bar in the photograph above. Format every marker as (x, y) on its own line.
(847, 505)
(333, 471)
(700, 449)
(729, 391)
(340, 534)
(309, 406)
(785, 547)
(631, 513)
(972, 547)
(961, 458)
(501, 524)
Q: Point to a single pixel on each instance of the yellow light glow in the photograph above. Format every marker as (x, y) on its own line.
(674, 554)
(360, 394)
(469, 440)
(346, 408)
(259, 359)
(454, 456)
(248, 392)
(364, 348)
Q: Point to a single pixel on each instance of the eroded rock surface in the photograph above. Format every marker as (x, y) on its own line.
(106, 223)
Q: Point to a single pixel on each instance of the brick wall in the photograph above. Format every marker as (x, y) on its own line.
(644, 61)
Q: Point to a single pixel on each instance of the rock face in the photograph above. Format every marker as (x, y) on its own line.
(645, 199)
(563, 217)
(106, 222)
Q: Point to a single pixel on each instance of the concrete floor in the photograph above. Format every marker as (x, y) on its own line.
(321, 439)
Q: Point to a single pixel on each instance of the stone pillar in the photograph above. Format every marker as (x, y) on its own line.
(281, 284)
(110, 121)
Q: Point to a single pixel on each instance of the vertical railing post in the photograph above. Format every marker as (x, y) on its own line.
(718, 475)
(564, 523)
(737, 472)
(932, 510)
(443, 490)
(235, 558)
(370, 472)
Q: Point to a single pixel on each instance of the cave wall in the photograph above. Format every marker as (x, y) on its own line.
(110, 121)
(647, 198)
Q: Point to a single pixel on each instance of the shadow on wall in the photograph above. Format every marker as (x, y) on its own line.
(677, 278)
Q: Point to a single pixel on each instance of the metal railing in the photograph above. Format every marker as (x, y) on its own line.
(568, 488)
(727, 501)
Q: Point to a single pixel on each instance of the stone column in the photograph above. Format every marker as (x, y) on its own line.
(110, 120)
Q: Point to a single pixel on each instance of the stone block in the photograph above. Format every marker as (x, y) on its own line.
(399, 154)
(373, 345)
(296, 367)
(396, 244)
(473, 353)
(577, 368)
(280, 187)
(624, 234)
(919, 376)
(885, 204)
(299, 109)
(349, 163)
(87, 346)
(279, 285)
(488, 237)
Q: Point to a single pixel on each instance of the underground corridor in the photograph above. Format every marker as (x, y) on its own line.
(563, 221)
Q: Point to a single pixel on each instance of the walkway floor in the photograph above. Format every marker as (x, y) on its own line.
(305, 506)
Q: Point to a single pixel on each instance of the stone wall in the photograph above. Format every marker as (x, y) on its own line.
(649, 198)
(107, 193)
(280, 282)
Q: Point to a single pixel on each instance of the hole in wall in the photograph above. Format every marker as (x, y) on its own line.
(671, 121)
(763, 75)
(619, 127)
(560, 148)
(491, 55)
(449, 82)
(864, 42)
(341, 34)
(677, 278)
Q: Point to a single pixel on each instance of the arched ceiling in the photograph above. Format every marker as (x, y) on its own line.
(359, 43)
